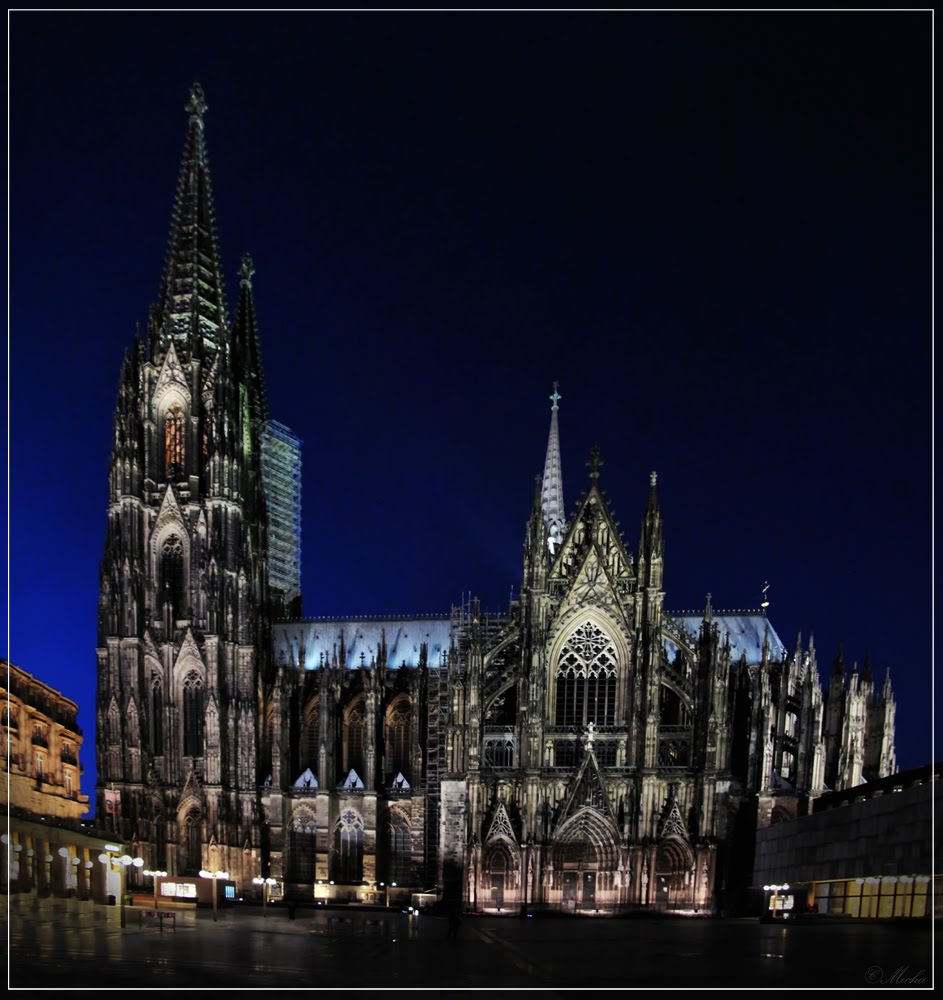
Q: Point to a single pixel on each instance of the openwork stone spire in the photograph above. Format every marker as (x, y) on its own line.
(246, 354)
(551, 493)
(192, 304)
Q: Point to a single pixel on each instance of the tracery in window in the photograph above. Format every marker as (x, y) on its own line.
(171, 574)
(193, 843)
(175, 441)
(397, 739)
(193, 715)
(156, 719)
(311, 743)
(354, 727)
(301, 847)
(586, 679)
(400, 849)
(347, 863)
(498, 751)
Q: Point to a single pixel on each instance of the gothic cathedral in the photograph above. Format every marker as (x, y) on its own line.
(586, 751)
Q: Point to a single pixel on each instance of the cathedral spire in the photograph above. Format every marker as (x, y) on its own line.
(838, 670)
(247, 358)
(551, 493)
(192, 305)
(651, 523)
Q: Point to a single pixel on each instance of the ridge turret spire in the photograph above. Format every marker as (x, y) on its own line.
(551, 492)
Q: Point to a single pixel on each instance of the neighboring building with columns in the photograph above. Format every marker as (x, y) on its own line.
(41, 741)
(47, 850)
(587, 750)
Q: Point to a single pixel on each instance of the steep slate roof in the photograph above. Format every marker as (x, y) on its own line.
(747, 630)
(322, 637)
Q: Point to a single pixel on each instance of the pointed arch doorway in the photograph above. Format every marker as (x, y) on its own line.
(674, 864)
(585, 856)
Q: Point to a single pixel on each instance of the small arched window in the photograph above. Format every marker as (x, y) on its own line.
(193, 715)
(175, 442)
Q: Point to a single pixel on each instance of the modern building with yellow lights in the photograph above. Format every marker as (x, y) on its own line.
(864, 852)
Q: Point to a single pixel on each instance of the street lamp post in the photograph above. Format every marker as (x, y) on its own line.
(265, 883)
(120, 865)
(776, 890)
(214, 876)
(155, 875)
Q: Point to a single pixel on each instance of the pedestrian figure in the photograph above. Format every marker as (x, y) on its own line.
(292, 906)
(455, 921)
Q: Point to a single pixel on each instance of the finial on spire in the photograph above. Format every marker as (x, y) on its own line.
(708, 610)
(764, 604)
(197, 103)
(246, 270)
(551, 490)
(653, 478)
(594, 462)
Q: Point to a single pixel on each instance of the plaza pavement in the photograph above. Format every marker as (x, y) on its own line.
(70, 944)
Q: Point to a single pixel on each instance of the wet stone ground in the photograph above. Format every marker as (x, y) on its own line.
(67, 944)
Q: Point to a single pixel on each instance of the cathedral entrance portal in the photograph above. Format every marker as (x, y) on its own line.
(497, 889)
(674, 864)
(585, 858)
(579, 890)
(589, 890)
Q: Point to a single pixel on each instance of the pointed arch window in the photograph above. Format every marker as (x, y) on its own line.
(193, 715)
(672, 710)
(301, 848)
(193, 843)
(347, 863)
(354, 730)
(114, 725)
(397, 739)
(171, 574)
(131, 731)
(312, 737)
(160, 848)
(399, 867)
(156, 718)
(586, 679)
(175, 442)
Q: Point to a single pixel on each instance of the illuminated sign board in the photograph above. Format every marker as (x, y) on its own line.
(185, 890)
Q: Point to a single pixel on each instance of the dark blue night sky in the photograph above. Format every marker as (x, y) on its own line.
(713, 229)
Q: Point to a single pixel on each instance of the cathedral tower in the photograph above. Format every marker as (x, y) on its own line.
(184, 594)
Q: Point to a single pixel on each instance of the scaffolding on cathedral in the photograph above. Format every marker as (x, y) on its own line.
(281, 477)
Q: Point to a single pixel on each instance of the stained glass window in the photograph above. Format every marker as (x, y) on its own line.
(348, 848)
(586, 679)
(193, 716)
(175, 441)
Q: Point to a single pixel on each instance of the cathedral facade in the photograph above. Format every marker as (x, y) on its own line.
(587, 750)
